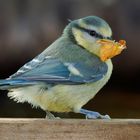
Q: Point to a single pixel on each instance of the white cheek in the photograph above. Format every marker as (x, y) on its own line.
(89, 38)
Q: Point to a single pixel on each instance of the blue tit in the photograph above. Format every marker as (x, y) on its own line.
(70, 72)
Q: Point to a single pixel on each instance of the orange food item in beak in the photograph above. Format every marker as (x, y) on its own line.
(110, 48)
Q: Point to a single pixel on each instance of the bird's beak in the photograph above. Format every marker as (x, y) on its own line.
(110, 48)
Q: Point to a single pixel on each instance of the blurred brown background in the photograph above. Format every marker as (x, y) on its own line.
(27, 27)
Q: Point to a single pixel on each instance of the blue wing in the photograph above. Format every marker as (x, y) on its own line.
(54, 71)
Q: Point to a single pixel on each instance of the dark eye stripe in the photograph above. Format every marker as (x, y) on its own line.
(110, 38)
(89, 32)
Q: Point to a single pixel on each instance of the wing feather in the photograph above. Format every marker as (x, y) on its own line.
(53, 71)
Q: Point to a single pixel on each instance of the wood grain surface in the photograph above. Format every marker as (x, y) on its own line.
(69, 129)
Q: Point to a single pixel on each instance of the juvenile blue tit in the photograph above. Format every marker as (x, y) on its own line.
(70, 72)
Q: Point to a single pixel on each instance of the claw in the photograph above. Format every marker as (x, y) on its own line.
(105, 117)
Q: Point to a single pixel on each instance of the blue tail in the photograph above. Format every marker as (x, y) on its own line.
(14, 83)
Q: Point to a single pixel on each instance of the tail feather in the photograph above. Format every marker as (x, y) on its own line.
(14, 83)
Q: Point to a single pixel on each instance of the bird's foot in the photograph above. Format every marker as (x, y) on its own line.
(49, 115)
(93, 115)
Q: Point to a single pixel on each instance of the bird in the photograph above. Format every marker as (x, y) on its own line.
(69, 72)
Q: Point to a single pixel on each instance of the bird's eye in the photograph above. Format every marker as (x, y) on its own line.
(92, 33)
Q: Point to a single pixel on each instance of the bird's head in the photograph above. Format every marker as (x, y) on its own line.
(95, 35)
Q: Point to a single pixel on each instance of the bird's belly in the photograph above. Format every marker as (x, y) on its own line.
(66, 98)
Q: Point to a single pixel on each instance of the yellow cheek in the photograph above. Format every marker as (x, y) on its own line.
(92, 48)
(79, 38)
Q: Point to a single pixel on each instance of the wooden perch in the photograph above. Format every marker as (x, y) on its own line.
(69, 129)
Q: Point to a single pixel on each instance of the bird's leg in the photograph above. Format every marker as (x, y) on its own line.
(93, 115)
(49, 115)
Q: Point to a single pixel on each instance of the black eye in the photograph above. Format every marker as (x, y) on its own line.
(92, 33)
